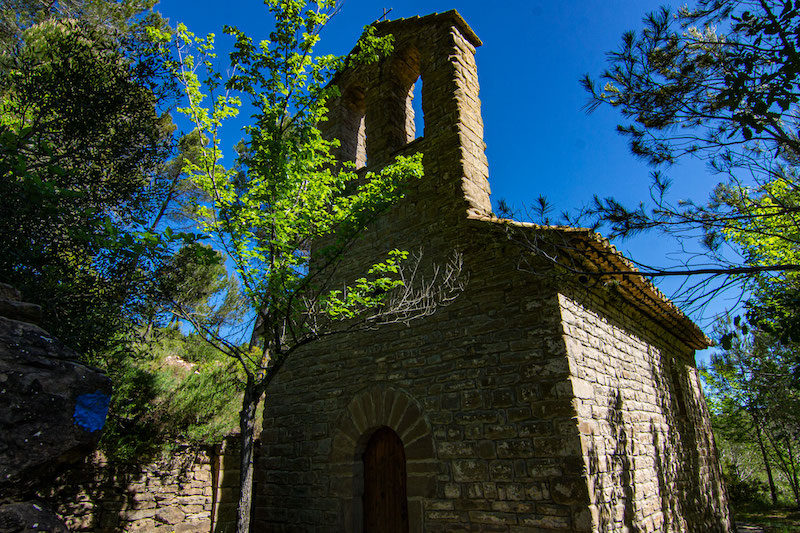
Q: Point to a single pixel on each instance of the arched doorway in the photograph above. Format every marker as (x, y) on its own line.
(385, 501)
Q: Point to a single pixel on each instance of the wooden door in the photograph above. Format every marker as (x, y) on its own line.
(385, 502)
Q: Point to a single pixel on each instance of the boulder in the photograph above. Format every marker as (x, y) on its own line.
(29, 517)
(12, 307)
(51, 407)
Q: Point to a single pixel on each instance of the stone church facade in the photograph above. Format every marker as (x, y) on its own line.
(533, 402)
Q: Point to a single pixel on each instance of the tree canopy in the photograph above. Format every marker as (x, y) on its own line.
(718, 82)
(753, 393)
(82, 150)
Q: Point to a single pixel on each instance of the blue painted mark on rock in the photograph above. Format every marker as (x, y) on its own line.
(91, 410)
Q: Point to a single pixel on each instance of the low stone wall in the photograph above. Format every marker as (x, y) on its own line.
(191, 491)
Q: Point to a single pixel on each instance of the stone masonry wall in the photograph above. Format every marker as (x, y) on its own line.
(479, 394)
(485, 393)
(191, 491)
(520, 410)
(647, 444)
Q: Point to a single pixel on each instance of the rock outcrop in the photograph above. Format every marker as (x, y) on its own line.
(51, 406)
(29, 517)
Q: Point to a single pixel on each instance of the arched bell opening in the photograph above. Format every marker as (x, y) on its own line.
(352, 133)
(415, 118)
(406, 66)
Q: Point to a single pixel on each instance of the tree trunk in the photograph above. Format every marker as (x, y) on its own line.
(767, 467)
(793, 477)
(247, 425)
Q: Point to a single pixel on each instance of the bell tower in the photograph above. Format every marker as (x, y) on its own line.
(374, 117)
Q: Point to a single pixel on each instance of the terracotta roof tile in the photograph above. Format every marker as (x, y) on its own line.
(639, 290)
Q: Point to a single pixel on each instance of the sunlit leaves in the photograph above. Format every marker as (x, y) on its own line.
(285, 190)
(717, 82)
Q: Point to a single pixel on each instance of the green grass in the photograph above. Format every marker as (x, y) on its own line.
(177, 390)
(776, 519)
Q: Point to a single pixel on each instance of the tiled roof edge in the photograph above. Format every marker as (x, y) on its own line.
(649, 295)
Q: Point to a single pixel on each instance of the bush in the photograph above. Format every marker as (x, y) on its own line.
(744, 491)
(179, 390)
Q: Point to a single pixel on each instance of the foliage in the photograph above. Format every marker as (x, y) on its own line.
(80, 144)
(88, 185)
(717, 82)
(286, 191)
(179, 389)
(770, 236)
(287, 213)
(776, 308)
(87, 181)
(743, 490)
(754, 396)
(196, 281)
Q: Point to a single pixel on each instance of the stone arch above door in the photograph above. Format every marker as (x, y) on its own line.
(372, 408)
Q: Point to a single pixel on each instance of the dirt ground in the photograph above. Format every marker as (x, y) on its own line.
(767, 520)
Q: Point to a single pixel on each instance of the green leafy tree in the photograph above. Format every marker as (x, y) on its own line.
(742, 457)
(287, 213)
(90, 182)
(770, 237)
(90, 175)
(81, 148)
(753, 391)
(715, 82)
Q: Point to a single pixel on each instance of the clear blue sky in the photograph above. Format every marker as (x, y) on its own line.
(539, 139)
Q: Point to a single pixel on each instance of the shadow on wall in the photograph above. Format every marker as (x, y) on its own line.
(615, 476)
(191, 491)
(686, 453)
(682, 462)
(226, 484)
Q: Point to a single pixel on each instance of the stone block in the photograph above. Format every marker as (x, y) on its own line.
(169, 515)
(452, 490)
(421, 485)
(486, 449)
(135, 515)
(191, 500)
(569, 491)
(420, 449)
(203, 475)
(491, 517)
(512, 448)
(545, 521)
(450, 450)
(200, 526)
(469, 470)
(142, 526)
(501, 470)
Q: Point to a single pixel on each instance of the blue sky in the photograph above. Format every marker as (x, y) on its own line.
(539, 139)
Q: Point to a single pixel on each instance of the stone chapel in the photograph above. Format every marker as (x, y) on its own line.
(531, 403)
